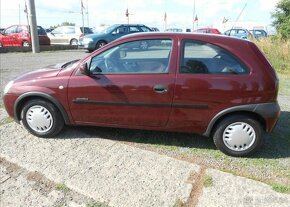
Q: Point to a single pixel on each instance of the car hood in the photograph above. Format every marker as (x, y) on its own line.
(46, 72)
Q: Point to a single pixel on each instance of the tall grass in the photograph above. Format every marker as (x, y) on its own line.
(278, 53)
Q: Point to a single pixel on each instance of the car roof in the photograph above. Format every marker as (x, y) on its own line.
(185, 35)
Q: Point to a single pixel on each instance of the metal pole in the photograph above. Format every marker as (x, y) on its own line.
(83, 21)
(193, 18)
(33, 26)
(19, 19)
(88, 14)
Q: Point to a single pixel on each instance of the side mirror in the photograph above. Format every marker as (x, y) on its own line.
(84, 69)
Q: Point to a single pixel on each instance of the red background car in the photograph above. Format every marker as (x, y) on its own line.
(18, 35)
(208, 30)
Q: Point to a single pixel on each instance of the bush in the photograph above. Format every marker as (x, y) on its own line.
(277, 51)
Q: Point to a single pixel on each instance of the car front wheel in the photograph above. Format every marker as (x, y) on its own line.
(41, 118)
(238, 135)
(25, 43)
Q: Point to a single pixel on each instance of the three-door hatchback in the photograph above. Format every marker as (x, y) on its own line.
(212, 85)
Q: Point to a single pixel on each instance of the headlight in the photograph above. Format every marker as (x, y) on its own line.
(8, 86)
(87, 40)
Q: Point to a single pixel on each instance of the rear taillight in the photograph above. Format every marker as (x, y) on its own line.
(82, 35)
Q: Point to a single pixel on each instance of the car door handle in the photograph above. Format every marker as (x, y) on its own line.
(160, 88)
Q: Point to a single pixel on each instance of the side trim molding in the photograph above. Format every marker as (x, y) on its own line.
(86, 101)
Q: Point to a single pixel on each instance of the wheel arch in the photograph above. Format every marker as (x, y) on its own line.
(24, 98)
(246, 110)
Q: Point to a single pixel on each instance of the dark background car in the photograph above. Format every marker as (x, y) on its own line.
(259, 33)
(239, 33)
(194, 83)
(18, 35)
(68, 35)
(98, 40)
(208, 30)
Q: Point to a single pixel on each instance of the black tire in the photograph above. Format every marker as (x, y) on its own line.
(45, 115)
(25, 44)
(100, 44)
(74, 42)
(238, 135)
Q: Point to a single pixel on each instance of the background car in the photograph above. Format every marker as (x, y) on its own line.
(208, 30)
(68, 35)
(18, 35)
(96, 41)
(259, 33)
(239, 33)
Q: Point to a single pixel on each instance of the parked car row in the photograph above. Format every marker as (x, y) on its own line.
(18, 35)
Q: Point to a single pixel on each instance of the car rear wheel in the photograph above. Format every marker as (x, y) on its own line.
(100, 44)
(25, 43)
(74, 42)
(41, 118)
(238, 135)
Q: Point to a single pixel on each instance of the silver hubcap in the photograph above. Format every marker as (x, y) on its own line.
(39, 118)
(25, 44)
(74, 42)
(239, 136)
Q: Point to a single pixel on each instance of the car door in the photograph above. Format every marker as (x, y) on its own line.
(209, 80)
(56, 36)
(127, 86)
(9, 37)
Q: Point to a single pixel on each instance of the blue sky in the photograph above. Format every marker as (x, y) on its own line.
(149, 12)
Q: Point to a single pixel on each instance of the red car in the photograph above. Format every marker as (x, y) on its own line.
(208, 30)
(18, 35)
(217, 86)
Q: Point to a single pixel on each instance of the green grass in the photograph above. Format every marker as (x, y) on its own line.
(207, 181)
(278, 52)
(97, 204)
(178, 203)
(6, 120)
(62, 187)
(281, 188)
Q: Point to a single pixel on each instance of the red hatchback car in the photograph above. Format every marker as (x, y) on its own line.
(18, 35)
(208, 30)
(216, 86)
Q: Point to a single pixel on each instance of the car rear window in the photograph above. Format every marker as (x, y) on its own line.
(201, 57)
(87, 30)
(41, 31)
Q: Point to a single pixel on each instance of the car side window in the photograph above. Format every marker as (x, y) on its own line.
(58, 30)
(133, 57)
(11, 30)
(120, 30)
(204, 58)
(133, 29)
(145, 29)
(69, 30)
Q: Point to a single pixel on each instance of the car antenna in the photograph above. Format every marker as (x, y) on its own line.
(238, 17)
